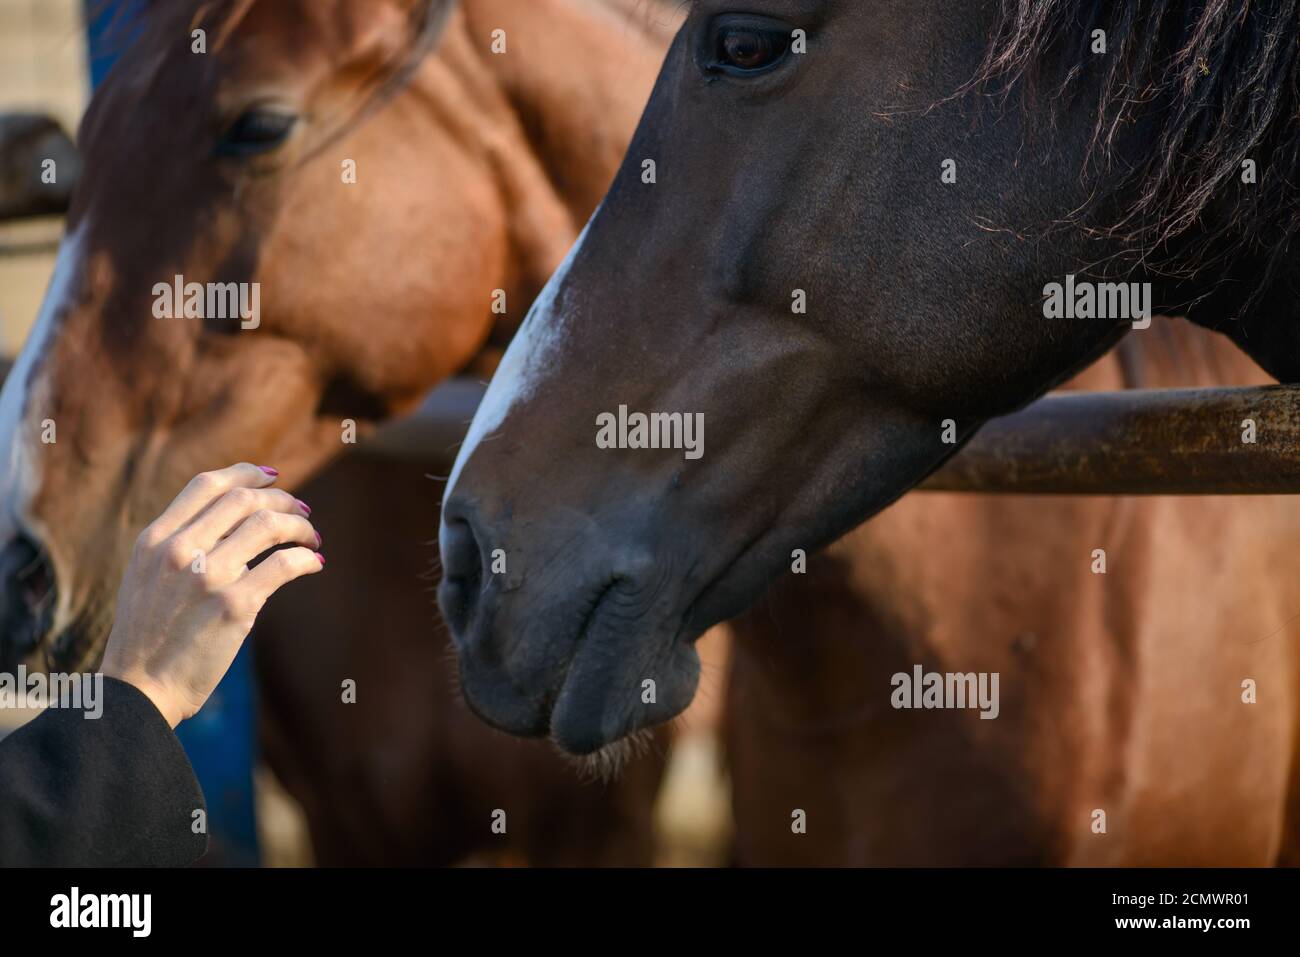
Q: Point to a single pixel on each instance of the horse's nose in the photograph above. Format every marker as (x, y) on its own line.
(462, 570)
(27, 599)
(471, 607)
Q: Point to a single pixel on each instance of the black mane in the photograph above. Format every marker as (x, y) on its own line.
(1221, 78)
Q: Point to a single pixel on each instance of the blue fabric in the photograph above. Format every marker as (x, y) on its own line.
(221, 740)
(108, 32)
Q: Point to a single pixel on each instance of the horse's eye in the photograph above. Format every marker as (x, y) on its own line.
(744, 46)
(256, 131)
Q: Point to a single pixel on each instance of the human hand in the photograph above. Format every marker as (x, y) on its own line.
(188, 599)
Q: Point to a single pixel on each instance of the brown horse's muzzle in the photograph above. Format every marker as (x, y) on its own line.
(28, 598)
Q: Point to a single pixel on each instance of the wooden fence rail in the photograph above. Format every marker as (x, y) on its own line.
(1225, 441)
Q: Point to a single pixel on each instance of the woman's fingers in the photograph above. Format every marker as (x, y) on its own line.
(260, 583)
(188, 599)
(260, 531)
(228, 512)
(203, 489)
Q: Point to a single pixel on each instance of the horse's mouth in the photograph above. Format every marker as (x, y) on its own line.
(71, 650)
(628, 672)
(601, 596)
(27, 603)
(578, 674)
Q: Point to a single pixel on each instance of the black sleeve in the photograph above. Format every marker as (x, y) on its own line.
(112, 791)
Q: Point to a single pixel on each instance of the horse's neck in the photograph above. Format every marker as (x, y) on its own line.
(578, 73)
(1171, 354)
(659, 20)
(551, 116)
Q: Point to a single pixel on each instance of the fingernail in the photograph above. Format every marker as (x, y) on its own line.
(321, 557)
(318, 540)
(268, 470)
(303, 505)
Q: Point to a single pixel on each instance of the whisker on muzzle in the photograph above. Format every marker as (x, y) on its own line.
(607, 763)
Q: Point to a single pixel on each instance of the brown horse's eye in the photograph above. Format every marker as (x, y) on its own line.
(256, 131)
(748, 45)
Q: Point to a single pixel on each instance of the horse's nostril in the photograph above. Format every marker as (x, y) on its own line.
(27, 597)
(462, 573)
(461, 558)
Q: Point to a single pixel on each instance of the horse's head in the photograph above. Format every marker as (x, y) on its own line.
(829, 258)
(347, 219)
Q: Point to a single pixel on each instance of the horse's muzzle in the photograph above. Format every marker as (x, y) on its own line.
(580, 645)
(28, 596)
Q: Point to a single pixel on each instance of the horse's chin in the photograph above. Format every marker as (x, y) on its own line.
(605, 764)
(627, 673)
(71, 651)
(736, 588)
(74, 649)
(76, 646)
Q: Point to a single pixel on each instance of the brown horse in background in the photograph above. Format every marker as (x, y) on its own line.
(1120, 691)
(262, 137)
(384, 203)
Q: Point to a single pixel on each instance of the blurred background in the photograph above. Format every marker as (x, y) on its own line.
(43, 70)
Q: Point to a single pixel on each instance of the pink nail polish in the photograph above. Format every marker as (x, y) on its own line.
(321, 557)
(268, 470)
(318, 540)
(304, 506)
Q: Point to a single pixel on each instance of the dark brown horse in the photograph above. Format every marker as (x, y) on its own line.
(844, 266)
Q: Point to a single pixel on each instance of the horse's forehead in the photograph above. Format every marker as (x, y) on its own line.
(294, 31)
